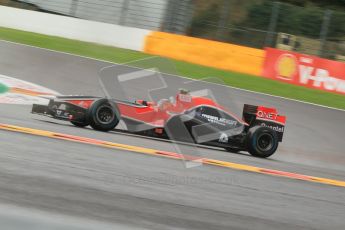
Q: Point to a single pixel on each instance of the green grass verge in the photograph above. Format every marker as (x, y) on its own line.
(118, 55)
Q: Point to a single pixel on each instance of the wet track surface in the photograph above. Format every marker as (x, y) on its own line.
(134, 190)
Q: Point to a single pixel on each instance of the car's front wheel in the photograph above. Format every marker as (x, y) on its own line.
(262, 141)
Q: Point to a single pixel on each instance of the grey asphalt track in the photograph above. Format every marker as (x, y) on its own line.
(131, 190)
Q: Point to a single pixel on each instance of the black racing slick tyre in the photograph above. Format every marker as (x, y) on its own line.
(80, 124)
(262, 141)
(103, 115)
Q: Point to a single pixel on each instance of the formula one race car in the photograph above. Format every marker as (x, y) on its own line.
(186, 118)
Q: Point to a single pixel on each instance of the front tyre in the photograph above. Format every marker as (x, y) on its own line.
(103, 116)
(262, 141)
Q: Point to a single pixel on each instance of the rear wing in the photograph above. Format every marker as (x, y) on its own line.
(264, 116)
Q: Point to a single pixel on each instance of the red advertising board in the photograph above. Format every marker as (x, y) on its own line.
(305, 70)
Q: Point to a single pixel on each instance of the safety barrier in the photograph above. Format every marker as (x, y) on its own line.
(305, 70)
(199, 51)
(73, 28)
(205, 52)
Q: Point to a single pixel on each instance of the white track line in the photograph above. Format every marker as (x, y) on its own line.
(125, 64)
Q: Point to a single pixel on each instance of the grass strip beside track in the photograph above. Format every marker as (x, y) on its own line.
(171, 155)
(117, 55)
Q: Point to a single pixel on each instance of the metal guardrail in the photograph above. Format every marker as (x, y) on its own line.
(250, 23)
(258, 24)
(166, 15)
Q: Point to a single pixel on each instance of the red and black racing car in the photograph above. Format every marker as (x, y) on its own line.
(186, 118)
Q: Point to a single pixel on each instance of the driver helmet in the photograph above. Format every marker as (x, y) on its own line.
(183, 91)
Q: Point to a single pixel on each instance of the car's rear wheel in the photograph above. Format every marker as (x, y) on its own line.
(262, 141)
(103, 115)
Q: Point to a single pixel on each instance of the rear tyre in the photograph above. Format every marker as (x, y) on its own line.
(80, 124)
(103, 116)
(262, 141)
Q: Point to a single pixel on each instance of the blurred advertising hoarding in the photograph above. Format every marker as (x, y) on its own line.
(304, 70)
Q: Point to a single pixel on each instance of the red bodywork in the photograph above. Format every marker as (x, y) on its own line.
(269, 114)
(157, 114)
